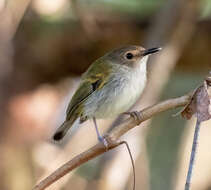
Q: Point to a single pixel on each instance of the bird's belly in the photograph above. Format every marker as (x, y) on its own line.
(120, 98)
(117, 105)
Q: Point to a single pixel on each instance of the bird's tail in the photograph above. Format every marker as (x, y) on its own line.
(62, 130)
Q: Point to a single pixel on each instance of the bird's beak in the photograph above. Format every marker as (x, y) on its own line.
(151, 51)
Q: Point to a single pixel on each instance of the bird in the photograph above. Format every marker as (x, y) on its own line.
(111, 86)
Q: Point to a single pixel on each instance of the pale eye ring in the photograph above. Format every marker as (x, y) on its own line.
(129, 56)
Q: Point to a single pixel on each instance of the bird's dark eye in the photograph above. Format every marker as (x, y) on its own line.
(129, 55)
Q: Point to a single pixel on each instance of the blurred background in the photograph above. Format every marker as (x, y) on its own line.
(46, 45)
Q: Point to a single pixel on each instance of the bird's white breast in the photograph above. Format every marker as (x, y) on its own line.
(125, 94)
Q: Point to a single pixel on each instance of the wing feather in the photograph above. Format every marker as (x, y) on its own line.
(94, 79)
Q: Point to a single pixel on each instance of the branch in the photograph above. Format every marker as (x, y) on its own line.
(193, 154)
(112, 138)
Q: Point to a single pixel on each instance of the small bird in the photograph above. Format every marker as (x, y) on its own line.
(110, 86)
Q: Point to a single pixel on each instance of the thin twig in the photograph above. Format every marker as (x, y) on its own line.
(112, 138)
(132, 162)
(193, 155)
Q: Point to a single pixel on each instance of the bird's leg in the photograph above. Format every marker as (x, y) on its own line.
(136, 115)
(100, 138)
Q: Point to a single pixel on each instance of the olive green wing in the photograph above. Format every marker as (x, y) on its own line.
(75, 108)
(94, 79)
(85, 89)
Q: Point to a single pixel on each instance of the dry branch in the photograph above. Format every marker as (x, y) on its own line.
(112, 138)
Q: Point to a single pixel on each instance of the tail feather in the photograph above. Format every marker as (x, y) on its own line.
(62, 130)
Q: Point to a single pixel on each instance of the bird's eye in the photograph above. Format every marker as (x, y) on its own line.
(129, 56)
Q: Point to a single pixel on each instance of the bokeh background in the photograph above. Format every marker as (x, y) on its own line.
(45, 45)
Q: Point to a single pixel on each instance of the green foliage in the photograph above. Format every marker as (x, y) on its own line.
(137, 7)
(206, 8)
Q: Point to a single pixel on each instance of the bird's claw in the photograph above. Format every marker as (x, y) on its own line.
(104, 141)
(136, 115)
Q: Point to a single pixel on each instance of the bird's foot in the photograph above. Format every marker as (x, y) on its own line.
(103, 140)
(136, 115)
